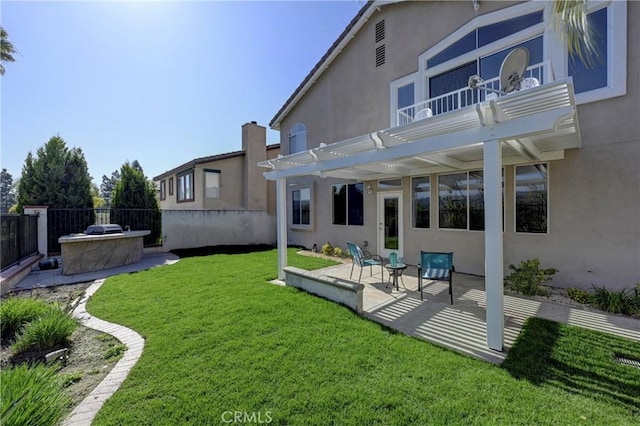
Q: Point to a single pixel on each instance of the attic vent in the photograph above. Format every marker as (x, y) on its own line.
(380, 31)
(380, 55)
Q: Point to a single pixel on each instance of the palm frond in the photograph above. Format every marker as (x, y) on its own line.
(7, 50)
(570, 20)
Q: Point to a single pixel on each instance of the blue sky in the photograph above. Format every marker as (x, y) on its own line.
(157, 82)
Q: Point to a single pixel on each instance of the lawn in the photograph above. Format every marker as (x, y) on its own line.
(220, 340)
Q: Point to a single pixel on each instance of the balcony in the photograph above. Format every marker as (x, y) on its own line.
(464, 97)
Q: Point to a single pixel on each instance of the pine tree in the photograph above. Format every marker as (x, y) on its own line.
(108, 185)
(7, 191)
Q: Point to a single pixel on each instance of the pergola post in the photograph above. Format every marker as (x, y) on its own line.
(281, 224)
(493, 255)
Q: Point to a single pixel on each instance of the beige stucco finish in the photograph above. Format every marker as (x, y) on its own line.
(244, 211)
(242, 185)
(594, 203)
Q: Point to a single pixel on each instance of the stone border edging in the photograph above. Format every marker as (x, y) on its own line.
(86, 411)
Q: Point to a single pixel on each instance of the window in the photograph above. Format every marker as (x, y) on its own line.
(593, 75)
(185, 186)
(406, 96)
(171, 186)
(485, 35)
(301, 204)
(297, 138)
(476, 200)
(490, 65)
(421, 201)
(531, 198)
(607, 77)
(163, 189)
(389, 184)
(348, 204)
(403, 96)
(487, 67)
(452, 196)
(211, 183)
(461, 201)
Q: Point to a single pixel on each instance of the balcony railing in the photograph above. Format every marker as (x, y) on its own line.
(464, 97)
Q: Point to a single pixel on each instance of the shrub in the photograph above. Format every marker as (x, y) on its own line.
(31, 396)
(338, 252)
(16, 312)
(50, 330)
(69, 379)
(114, 352)
(528, 278)
(617, 302)
(579, 295)
(327, 249)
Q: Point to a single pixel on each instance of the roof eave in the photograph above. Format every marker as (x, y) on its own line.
(350, 31)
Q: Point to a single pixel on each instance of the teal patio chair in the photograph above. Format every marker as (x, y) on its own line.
(362, 259)
(435, 266)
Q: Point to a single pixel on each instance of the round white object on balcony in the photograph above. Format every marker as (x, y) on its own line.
(529, 83)
(423, 113)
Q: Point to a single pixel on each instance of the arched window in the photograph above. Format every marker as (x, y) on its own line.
(297, 138)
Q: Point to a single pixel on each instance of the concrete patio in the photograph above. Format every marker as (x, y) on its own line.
(462, 326)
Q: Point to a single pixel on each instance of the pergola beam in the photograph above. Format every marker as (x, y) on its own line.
(535, 123)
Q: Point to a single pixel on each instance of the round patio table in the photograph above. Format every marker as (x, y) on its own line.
(395, 271)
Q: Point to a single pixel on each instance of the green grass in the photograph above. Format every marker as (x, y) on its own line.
(220, 339)
(577, 360)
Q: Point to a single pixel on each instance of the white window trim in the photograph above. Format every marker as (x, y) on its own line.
(616, 53)
(515, 184)
(480, 21)
(554, 50)
(308, 227)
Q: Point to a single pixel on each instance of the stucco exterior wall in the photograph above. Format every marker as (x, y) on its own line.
(231, 184)
(594, 202)
(202, 228)
(242, 184)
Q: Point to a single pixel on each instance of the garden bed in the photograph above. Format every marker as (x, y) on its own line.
(91, 355)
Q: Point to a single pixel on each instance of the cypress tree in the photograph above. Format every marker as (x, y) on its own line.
(57, 177)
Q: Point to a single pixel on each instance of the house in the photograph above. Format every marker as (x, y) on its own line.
(384, 143)
(221, 199)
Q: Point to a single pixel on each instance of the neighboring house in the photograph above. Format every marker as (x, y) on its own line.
(232, 191)
(385, 145)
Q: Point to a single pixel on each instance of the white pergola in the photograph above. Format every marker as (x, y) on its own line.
(534, 125)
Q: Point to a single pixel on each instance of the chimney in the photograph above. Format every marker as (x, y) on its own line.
(254, 145)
